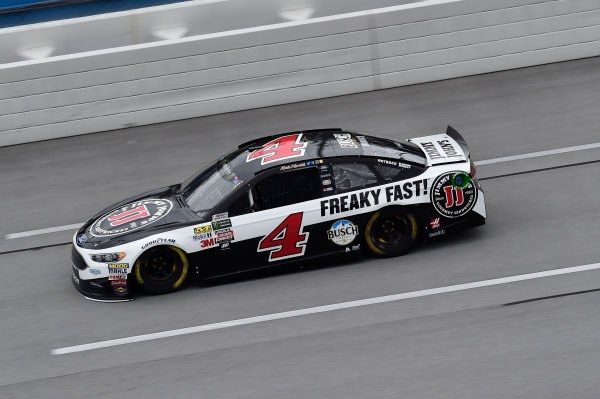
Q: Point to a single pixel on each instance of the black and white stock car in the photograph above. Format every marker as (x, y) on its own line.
(279, 199)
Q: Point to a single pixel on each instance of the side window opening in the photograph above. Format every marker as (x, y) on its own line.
(240, 205)
(387, 173)
(286, 189)
(394, 170)
(352, 176)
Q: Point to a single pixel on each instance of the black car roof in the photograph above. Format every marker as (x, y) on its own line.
(323, 144)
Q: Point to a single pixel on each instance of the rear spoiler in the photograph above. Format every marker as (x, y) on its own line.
(450, 131)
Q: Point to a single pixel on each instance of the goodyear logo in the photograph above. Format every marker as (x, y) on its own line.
(202, 229)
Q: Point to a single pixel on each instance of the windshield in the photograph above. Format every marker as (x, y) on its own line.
(204, 191)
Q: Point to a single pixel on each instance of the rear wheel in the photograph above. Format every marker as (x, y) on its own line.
(391, 232)
(161, 270)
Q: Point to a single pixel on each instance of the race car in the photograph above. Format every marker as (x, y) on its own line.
(280, 199)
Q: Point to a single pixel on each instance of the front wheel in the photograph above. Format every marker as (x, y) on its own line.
(391, 232)
(161, 270)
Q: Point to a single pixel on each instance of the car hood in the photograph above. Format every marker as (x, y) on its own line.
(135, 218)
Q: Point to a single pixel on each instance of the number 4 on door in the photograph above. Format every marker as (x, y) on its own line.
(287, 240)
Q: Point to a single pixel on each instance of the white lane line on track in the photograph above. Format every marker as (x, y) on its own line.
(477, 163)
(320, 309)
(538, 154)
(42, 231)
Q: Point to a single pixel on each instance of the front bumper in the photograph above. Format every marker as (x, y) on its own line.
(99, 289)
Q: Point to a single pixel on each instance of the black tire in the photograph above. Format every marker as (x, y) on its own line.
(161, 270)
(391, 232)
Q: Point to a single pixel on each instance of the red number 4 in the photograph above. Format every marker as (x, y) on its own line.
(287, 240)
(278, 149)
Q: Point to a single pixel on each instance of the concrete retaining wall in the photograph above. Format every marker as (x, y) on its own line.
(288, 62)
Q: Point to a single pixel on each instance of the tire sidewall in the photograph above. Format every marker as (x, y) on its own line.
(153, 288)
(412, 233)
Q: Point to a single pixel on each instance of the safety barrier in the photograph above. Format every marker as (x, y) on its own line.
(287, 62)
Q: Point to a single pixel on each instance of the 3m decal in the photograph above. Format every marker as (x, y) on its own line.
(345, 140)
(211, 242)
(287, 240)
(342, 232)
(451, 201)
(202, 229)
(131, 217)
(282, 148)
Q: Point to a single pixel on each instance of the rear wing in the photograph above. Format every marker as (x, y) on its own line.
(443, 148)
(459, 139)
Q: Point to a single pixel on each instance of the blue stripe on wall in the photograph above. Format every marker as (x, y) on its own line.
(22, 12)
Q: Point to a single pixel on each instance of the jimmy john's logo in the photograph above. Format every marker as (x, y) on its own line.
(342, 232)
(451, 201)
(131, 217)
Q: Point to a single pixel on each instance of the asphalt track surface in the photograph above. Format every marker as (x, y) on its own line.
(538, 338)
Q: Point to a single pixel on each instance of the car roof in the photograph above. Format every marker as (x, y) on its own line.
(323, 144)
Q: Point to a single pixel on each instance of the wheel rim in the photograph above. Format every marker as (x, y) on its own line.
(161, 267)
(389, 231)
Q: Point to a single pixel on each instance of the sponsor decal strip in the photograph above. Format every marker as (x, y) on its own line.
(537, 154)
(321, 309)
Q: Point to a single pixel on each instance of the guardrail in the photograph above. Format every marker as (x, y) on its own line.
(288, 62)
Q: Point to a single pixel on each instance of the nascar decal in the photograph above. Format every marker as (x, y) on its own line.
(131, 217)
(282, 148)
(342, 232)
(362, 199)
(287, 240)
(451, 201)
